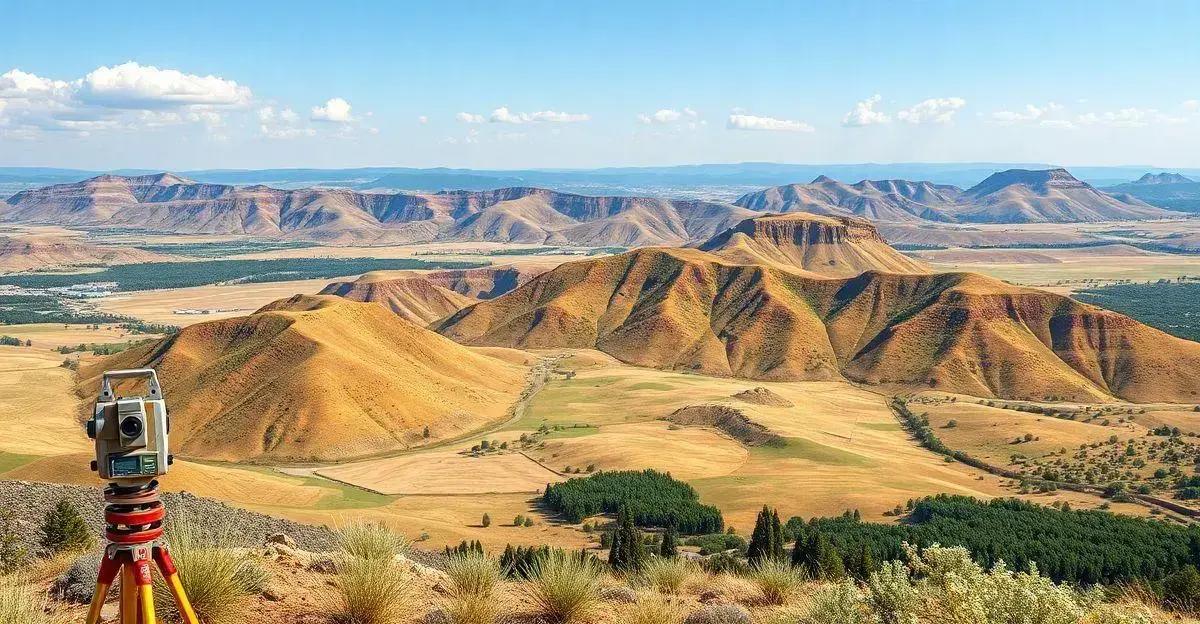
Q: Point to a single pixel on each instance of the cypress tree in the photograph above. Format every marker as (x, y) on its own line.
(830, 564)
(670, 543)
(861, 564)
(628, 551)
(776, 536)
(761, 538)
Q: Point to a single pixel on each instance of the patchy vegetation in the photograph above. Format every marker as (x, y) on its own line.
(651, 497)
(1169, 306)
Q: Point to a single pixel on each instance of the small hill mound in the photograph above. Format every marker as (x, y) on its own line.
(822, 245)
(26, 253)
(957, 332)
(762, 396)
(728, 419)
(427, 297)
(1163, 178)
(410, 295)
(1048, 196)
(317, 378)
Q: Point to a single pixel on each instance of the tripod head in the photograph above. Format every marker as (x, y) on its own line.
(131, 432)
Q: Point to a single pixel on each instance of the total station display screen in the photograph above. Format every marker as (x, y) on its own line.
(132, 465)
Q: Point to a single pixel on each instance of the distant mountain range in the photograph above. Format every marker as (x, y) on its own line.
(1013, 196)
(1172, 191)
(714, 181)
(172, 203)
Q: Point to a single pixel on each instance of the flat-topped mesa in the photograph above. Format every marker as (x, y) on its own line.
(831, 246)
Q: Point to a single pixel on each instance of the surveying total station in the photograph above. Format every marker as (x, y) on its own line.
(131, 451)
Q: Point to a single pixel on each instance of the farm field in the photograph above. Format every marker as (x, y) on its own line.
(1065, 270)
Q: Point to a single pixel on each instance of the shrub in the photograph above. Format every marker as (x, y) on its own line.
(839, 603)
(717, 542)
(372, 591)
(473, 574)
(776, 580)
(366, 540)
(217, 579)
(668, 575)
(891, 594)
(64, 529)
(1181, 591)
(651, 610)
(564, 587)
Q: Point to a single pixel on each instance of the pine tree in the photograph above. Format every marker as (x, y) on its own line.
(766, 541)
(798, 551)
(861, 564)
(628, 551)
(670, 543)
(64, 529)
(830, 564)
(487, 521)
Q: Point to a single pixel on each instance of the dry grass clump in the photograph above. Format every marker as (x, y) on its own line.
(372, 591)
(22, 603)
(668, 575)
(216, 578)
(472, 599)
(651, 609)
(777, 581)
(369, 540)
(564, 588)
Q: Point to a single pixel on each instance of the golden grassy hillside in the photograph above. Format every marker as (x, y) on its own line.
(406, 293)
(831, 246)
(690, 310)
(315, 377)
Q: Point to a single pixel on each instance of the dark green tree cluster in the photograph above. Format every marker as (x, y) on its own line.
(627, 552)
(766, 541)
(1083, 547)
(465, 548)
(652, 498)
(669, 548)
(518, 561)
(813, 552)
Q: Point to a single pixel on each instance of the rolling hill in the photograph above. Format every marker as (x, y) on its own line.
(32, 252)
(166, 202)
(690, 310)
(427, 297)
(813, 244)
(318, 378)
(1012, 196)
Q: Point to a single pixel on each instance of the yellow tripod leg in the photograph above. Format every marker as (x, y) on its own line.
(167, 567)
(145, 587)
(129, 597)
(110, 566)
(146, 593)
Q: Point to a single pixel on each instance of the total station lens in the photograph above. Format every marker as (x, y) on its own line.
(131, 427)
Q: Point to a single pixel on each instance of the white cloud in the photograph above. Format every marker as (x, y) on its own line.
(335, 110)
(933, 110)
(668, 116)
(18, 84)
(503, 115)
(864, 114)
(1192, 106)
(134, 86)
(1131, 117)
(751, 122)
(422, 119)
(1048, 116)
(281, 124)
(469, 118)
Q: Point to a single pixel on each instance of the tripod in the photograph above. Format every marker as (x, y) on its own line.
(133, 518)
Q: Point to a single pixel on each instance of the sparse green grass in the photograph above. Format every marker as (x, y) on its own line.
(884, 426)
(801, 448)
(12, 461)
(651, 385)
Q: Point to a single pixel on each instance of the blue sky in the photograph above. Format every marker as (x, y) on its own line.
(583, 84)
